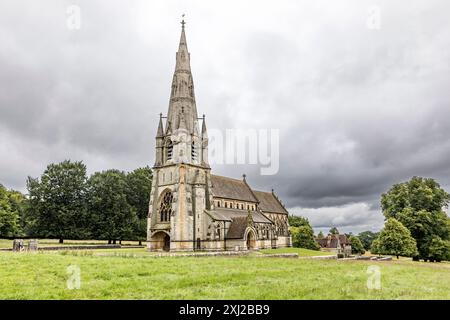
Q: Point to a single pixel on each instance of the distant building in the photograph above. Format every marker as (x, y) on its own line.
(338, 243)
(192, 209)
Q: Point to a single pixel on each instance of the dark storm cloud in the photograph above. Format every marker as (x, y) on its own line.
(357, 109)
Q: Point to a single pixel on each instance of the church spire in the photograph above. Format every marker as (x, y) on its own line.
(204, 133)
(182, 97)
(160, 132)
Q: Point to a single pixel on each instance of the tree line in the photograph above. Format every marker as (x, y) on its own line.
(416, 224)
(64, 203)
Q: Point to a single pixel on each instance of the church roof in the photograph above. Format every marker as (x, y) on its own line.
(222, 214)
(224, 187)
(269, 203)
(237, 228)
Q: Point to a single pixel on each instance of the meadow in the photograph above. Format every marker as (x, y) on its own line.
(137, 274)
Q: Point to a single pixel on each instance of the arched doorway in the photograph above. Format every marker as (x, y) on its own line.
(160, 241)
(251, 240)
(166, 246)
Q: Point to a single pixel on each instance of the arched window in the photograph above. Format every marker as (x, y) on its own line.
(169, 147)
(218, 204)
(165, 208)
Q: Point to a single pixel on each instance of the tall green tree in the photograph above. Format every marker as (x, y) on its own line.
(418, 204)
(139, 184)
(19, 204)
(395, 239)
(113, 218)
(298, 221)
(9, 216)
(302, 233)
(357, 246)
(57, 201)
(367, 238)
(439, 249)
(320, 235)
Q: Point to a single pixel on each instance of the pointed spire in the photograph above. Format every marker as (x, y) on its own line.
(183, 36)
(182, 95)
(160, 132)
(183, 62)
(204, 134)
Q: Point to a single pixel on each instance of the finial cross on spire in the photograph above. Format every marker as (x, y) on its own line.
(182, 21)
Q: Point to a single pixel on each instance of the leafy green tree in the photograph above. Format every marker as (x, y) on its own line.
(418, 204)
(334, 230)
(139, 184)
(394, 239)
(302, 233)
(58, 201)
(9, 217)
(367, 238)
(320, 235)
(357, 246)
(113, 218)
(19, 203)
(439, 249)
(297, 221)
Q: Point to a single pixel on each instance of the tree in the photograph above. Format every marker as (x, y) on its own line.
(58, 201)
(334, 230)
(139, 184)
(297, 221)
(320, 235)
(418, 204)
(18, 203)
(9, 217)
(394, 239)
(367, 238)
(357, 246)
(302, 233)
(439, 249)
(113, 217)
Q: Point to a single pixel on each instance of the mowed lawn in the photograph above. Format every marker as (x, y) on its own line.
(45, 276)
(300, 251)
(6, 243)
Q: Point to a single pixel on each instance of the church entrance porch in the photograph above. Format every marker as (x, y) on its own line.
(251, 240)
(160, 241)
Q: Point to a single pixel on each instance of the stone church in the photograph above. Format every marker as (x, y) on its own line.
(190, 208)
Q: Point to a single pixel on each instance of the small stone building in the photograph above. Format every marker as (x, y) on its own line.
(192, 209)
(338, 243)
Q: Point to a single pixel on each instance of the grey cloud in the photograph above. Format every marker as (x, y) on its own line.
(357, 109)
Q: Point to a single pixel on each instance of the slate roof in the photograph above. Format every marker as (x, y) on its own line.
(230, 188)
(269, 203)
(343, 239)
(331, 241)
(222, 214)
(237, 228)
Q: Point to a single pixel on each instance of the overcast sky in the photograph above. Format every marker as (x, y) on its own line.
(360, 105)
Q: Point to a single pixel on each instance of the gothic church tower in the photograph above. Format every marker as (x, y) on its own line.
(181, 189)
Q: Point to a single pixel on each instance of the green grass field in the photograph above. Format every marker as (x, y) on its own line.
(301, 252)
(6, 243)
(45, 275)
